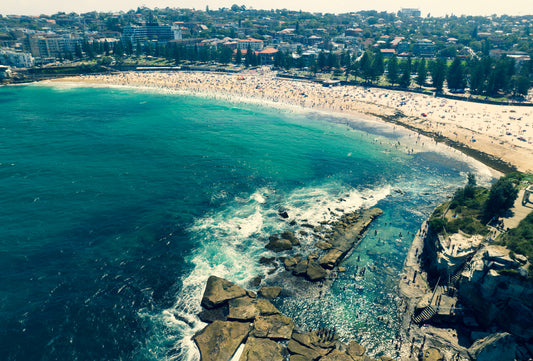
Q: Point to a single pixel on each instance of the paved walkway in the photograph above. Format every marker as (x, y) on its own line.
(521, 208)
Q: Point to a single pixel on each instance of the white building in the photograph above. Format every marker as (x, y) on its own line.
(16, 59)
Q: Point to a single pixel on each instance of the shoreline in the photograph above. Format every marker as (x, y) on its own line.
(482, 131)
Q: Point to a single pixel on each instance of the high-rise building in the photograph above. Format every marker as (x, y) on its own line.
(150, 32)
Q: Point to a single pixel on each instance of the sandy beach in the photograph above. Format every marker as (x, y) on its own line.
(503, 132)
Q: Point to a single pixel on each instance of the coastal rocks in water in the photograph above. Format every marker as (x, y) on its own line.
(291, 262)
(301, 268)
(211, 315)
(336, 355)
(310, 269)
(309, 346)
(274, 327)
(283, 214)
(315, 272)
(270, 292)
(330, 259)
(219, 340)
(355, 350)
(218, 291)
(323, 245)
(290, 236)
(246, 308)
(260, 349)
(279, 245)
(498, 346)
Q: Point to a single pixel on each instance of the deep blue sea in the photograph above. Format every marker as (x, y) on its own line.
(117, 204)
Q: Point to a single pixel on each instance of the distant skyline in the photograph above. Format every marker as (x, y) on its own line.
(433, 7)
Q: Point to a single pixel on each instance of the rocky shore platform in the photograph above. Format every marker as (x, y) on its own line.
(464, 298)
(245, 326)
(334, 241)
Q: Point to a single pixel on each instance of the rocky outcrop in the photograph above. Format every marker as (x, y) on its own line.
(315, 272)
(499, 346)
(498, 297)
(258, 323)
(220, 339)
(279, 245)
(355, 350)
(246, 308)
(336, 239)
(261, 349)
(218, 291)
(277, 327)
(270, 292)
(336, 355)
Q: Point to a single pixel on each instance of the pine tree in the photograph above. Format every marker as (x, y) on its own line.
(456, 76)
(405, 79)
(421, 73)
(238, 57)
(365, 65)
(392, 70)
(378, 67)
(438, 74)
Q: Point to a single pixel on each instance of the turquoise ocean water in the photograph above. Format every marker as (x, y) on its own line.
(117, 204)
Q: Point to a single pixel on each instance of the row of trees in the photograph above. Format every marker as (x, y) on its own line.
(484, 76)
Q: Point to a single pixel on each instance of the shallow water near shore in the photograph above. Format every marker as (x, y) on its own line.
(117, 205)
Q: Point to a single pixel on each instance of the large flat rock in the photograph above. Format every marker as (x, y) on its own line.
(336, 355)
(246, 308)
(219, 340)
(275, 327)
(331, 258)
(218, 290)
(262, 349)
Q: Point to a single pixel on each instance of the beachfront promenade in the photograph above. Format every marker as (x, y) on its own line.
(505, 132)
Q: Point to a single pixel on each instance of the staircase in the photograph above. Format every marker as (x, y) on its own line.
(425, 315)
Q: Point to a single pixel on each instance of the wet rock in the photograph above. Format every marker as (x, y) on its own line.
(290, 236)
(261, 349)
(301, 268)
(291, 262)
(283, 214)
(498, 346)
(274, 327)
(270, 292)
(218, 290)
(246, 309)
(309, 346)
(279, 245)
(268, 260)
(323, 245)
(256, 281)
(354, 349)
(315, 272)
(386, 358)
(304, 352)
(215, 314)
(336, 355)
(219, 340)
(330, 259)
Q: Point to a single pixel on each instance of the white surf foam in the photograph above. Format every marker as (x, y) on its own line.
(231, 242)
